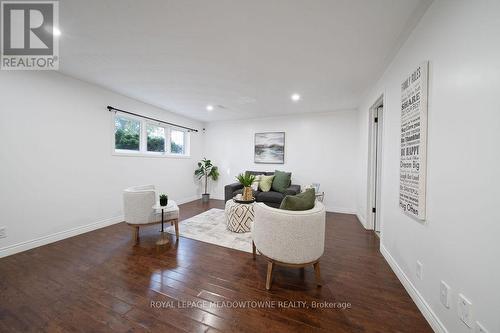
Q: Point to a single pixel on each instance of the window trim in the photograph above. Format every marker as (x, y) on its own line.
(143, 146)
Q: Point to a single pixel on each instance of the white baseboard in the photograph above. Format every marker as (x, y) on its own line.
(188, 199)
(30, 244)
(419, 300)
(217, 197)
(341, 210)
(362, 220)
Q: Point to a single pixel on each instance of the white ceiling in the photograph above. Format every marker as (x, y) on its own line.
(244, 57)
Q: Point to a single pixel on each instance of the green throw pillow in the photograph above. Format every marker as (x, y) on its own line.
(265, 183)
(281, 181)
(301, 201)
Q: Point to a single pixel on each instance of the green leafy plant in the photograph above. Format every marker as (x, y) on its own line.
(163, 199)
(205, 171)
(245, 179)
(156, 144)
(126, 140)
(127, 133)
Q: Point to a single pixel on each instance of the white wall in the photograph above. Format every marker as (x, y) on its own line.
(459, 242)
(320, 148)
(58, 176)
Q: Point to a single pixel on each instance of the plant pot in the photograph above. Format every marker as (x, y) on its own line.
(205, 197)
(163, 202)
(247, 193)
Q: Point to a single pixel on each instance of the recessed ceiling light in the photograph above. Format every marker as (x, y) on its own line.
(295, 97)
(56, 31)
(210, 108)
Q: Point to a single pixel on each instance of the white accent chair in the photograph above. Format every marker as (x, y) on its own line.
(138, 209)
(289, 238)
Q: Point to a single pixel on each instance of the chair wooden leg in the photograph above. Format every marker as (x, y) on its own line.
(269, 278)
(176, 222)
(317, 273)
(254, 250)
(136, 234)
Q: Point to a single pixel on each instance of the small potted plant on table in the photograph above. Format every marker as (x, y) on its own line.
(246, 180)
(163, 200)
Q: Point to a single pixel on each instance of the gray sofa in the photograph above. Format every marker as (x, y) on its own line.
(270, 198)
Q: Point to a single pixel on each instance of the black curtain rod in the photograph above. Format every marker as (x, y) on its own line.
(111, 109)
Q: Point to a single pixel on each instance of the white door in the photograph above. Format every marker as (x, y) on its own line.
(378, 115)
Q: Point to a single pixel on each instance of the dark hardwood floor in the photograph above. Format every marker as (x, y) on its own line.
(101, 282)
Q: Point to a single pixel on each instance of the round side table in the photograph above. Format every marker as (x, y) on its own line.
(239, 216)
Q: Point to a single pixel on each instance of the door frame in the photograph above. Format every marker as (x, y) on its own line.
(374, 155)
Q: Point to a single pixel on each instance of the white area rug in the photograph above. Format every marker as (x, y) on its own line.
(210, 227)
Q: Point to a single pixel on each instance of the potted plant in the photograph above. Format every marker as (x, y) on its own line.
(206, 170)
(163, 199)
(246, 180)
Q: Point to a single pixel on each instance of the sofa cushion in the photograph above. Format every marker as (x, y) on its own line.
(292, 190)
(266, 183)
(301, 201)
(281, 181)
(271, 196)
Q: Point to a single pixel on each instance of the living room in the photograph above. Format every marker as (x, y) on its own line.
(316, 211)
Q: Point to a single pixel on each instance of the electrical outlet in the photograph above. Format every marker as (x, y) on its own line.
(3, 232)
(420, 268)
(464, 310)
(444, 294)
(480, 328)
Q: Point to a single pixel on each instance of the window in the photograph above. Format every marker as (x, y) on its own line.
(156, 139)
(141, 137)
(127, 134)
(177, 142)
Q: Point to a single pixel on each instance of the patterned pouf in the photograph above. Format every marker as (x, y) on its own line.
(239, 216)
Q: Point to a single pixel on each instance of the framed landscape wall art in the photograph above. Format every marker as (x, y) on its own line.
(269, 148)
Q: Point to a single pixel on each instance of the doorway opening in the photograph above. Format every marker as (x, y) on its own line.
(375, 165)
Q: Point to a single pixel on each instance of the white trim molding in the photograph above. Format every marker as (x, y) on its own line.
(415, 295)
(341, 210)
(188, 199)
(44, 240)
(361, 220)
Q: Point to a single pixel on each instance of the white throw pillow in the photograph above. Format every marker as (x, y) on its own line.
(255, 184)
